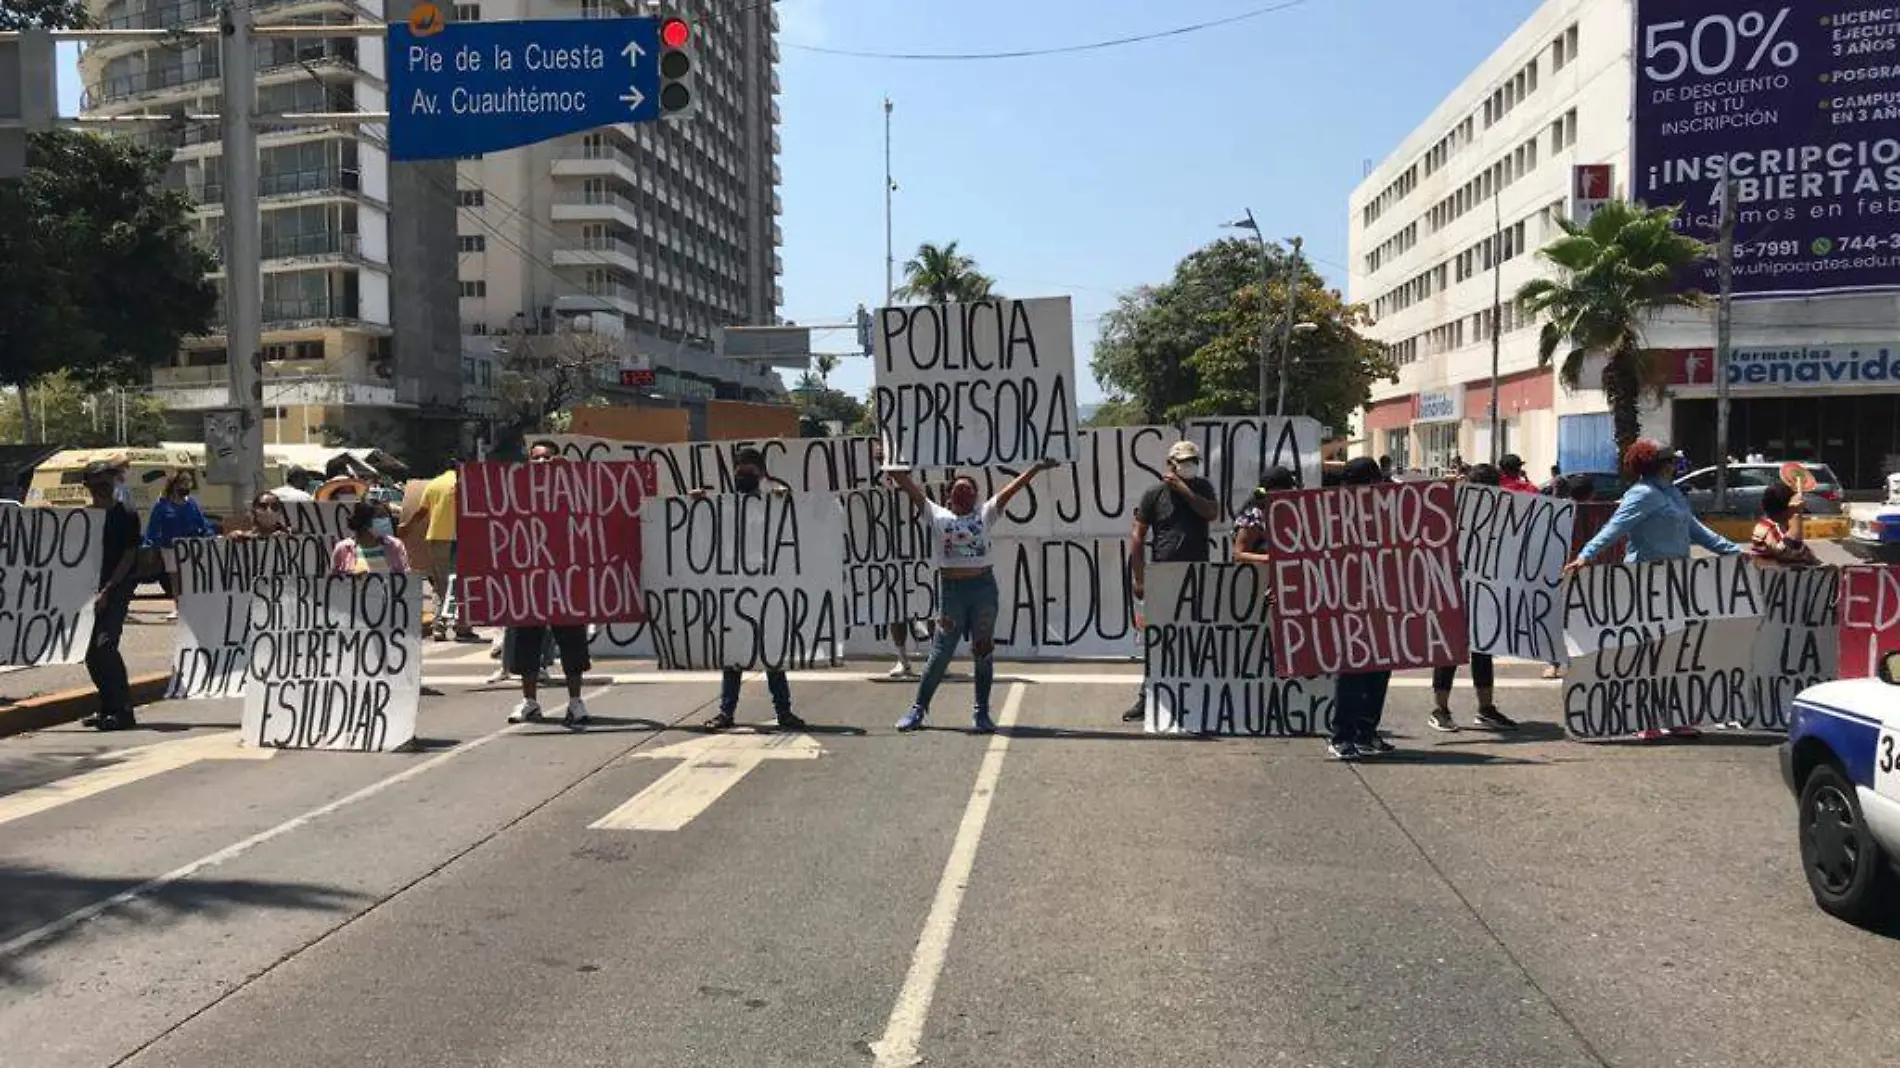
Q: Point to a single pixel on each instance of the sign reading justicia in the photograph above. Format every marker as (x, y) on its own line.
(1800, 105)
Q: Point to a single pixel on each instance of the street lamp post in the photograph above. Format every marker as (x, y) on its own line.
(1287, 325)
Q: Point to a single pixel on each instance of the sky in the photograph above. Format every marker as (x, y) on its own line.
(1089, 174)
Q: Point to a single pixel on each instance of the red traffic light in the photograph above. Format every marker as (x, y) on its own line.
(674, 33)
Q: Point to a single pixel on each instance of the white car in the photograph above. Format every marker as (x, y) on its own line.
(1842, 759)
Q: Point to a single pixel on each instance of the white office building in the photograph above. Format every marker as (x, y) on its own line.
(1480, 184)
(668, 229)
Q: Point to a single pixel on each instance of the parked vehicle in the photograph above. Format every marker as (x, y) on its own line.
(1747, 481)
(1842, 761)
(1878, 531)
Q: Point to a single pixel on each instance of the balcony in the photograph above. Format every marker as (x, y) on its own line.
(328, 245)
(326, 180)
(598, 161)
(600, 252)
(280, 315)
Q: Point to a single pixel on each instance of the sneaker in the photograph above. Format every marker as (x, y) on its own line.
(526, 712)
(576, 716)
(901, 671)
(1376, 746)
(912, 720)
(1492, 720)
(1683, 732)
(1137, 713)
(789, 721)
(1343, 751)
(500, 675)
(983, 723)
(1441, 721)
(1651, 735)
(468, 636)
(92, 721)
(171, 617)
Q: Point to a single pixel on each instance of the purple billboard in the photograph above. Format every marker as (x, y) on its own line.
(1800, 102)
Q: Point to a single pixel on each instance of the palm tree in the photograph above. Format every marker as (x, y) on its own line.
(1614, 274)
(942, 275)
(825, 363)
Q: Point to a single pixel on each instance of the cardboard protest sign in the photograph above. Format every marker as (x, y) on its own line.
(977, 384)
(889, 576)
(216, 580)
(330, 519)
(1695, 673)
(550, 544)
(49, 574)
(1615, 605)
(1208, 668)
(807, 465)
(334, 662)
(1870, 619)
(1365, 578)
(1511, 549)
(1797, 644)
(745, 581)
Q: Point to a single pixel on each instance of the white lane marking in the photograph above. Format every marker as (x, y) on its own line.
(29, 939)
(905, 1029)
(662, 678)
(711, 767)
(457, 654)
(130, 766)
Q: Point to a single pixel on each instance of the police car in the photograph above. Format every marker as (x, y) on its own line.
(1842, 759)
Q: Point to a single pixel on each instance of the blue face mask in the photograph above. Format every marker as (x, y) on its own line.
(383, 525)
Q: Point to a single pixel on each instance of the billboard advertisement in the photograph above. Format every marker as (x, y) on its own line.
(1800, 102)
(1591, 187)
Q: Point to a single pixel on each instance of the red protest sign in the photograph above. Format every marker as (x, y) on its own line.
(1870, 618)
(1365, 578)
(551, 544)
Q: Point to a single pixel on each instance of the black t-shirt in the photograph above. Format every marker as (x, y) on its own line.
(121, 537)
(1176, 532)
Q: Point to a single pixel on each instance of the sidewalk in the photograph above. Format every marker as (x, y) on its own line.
(147, 644)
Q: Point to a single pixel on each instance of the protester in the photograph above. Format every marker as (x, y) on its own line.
(298, 483)
(1658, 522)
(1483, 669)
(1778, 535)
(1385, 468)
(1171, 525)
(1359, 698)
(530, 644)
(1510, 472)
(1250, 527)
(900, 632)
(373, 547)
(748, 478)
(435, 515)
(175, 516)
(104, 663)
(966, 586)
(267, 519)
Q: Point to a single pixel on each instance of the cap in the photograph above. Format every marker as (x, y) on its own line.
(1184, 450)
(1511, 462)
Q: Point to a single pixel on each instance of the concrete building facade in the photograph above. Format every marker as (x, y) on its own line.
(1478, 187)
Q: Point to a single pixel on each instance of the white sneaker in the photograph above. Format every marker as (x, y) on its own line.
(526, 712)
(500, 675)
(576, 717)
(901, 671)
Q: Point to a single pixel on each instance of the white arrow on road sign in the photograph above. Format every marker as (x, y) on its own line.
(712, 766)
(632, 98)
(633, 52)
(127, 766)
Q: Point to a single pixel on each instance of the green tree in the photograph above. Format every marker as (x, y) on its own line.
(68, 413)
(1614, 274)
(939, 274)
(1191, 346)
(545, 376)
(50, 14)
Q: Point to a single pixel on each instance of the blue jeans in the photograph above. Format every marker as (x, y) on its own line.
(774, 681)
(965, 606)
(1358, 705)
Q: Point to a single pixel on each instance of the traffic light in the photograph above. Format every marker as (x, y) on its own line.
(676, 68)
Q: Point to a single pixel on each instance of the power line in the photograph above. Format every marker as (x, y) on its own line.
(1027, 53)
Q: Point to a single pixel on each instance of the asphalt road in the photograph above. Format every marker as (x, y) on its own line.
(1066, 893)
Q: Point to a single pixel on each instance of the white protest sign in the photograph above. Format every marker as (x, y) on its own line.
(216, 577)
(889, 576)
(1208, 668)
(1512, 548)
(1611, 605)
(737, 581)
(1696, 673)
(807, 465)
(975, 385)
(49, 573)
(1798, 644)
(335, 662)
(331, 519)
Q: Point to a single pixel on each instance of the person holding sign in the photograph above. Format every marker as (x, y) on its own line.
(748, 477)
(104, 664)
(175, 516)
(1171, 524)
(373, 546)
(1250, 526)
(1777, 538)
(435, 517)
(1483, 673)
(966, 586)
(267, 519)
(1359, 697)
(529, 642)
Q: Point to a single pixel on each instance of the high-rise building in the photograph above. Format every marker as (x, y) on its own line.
(361, 340)
(1479, 188)
(661, 232)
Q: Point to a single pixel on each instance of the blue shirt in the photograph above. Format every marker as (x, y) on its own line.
(1660, 525)
(171, 521)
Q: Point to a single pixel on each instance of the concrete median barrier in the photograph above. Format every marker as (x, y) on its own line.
(71, 706)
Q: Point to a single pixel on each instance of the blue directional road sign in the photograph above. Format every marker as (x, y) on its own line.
(462, 88)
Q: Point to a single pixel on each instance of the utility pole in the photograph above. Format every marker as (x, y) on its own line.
(1497, 318)
(1266, 321)
(243, 262)
(1724, 308)
(1286, 328)
(890, 187)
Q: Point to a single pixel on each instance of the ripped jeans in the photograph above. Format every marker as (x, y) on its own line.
(965, 606)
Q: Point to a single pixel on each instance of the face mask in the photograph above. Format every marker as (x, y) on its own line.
(122, 493)
(1188, 468)
(383, 526)
(746, 483)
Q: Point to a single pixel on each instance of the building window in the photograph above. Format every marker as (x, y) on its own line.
(470, 198)
(472, 243)
(476, 288)
(1563, 49)
(468, 12)
(1563, 132)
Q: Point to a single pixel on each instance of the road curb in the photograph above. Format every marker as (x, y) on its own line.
(71, 706)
